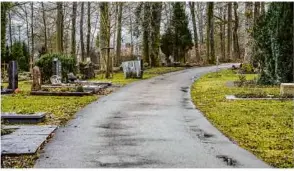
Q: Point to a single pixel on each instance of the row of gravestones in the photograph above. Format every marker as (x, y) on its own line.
(13, 76)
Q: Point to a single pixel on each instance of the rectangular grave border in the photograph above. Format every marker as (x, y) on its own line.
(46, 93)
(233, 97)
(23, 118)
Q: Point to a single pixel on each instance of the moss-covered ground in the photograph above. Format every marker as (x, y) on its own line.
(263, 127)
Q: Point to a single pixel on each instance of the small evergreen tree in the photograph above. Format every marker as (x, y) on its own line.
(181, 33)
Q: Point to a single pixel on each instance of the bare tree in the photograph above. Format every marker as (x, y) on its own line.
(248, 37)
(81, 32)
(236, 47)
(59, 27)
(32, 37)
(229, 35)
(73, 28)
(89, 29)
(118, 39)
(104, 39)
(192, 11)
(45, 26)
(210, 51)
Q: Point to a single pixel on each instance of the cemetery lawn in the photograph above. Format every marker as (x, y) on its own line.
(118, 78)
(59, 108)
(263, 127)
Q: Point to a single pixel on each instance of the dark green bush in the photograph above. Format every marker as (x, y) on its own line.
(68, 64)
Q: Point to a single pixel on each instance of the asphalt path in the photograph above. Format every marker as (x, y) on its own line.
(147, 124)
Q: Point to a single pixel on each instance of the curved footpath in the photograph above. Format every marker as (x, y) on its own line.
(150, 123)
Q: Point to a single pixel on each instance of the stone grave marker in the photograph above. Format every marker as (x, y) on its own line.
(36, 86)
(56, 67)
(133, 69)
(12, 75)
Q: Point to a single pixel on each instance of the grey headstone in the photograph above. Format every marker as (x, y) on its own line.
(57, 67)
(12, 75)
(133, 69)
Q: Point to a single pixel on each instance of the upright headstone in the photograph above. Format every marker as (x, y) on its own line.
(133, 69)
(56, 67)
(36, 86)
(12, 75)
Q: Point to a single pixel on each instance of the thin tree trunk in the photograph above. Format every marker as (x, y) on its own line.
(45, 26)
(59, 28)
(131, 32)
(222, 35)
(235, 33)
(118, 39)
(73, 29)
(82, 32)
(248, 26)
(256, 11)
(192, 10)
(10, 29)
(210, 54)
(32, 37)
(200, 20)
(229, 35)
(89, 29)
(212, 48)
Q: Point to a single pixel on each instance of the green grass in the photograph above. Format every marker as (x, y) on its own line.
(118, 78)
(264, 127)
(60, 108)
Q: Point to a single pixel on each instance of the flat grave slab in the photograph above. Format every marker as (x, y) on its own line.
(233, 97)
(23, 118)
(25, 139)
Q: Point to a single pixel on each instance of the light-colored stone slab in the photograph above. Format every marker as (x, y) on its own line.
(286, 89)
(25, 139)
(233, 97)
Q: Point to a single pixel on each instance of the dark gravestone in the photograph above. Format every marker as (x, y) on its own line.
(56, 67)
(12, 75)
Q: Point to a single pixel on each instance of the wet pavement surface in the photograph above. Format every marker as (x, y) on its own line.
(147, 124)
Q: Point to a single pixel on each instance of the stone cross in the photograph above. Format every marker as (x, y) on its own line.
(36, 86)
(12, 75)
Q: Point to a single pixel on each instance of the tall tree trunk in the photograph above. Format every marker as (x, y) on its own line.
(192, 10)
(59, 27)
(200, 21)
(131, 32)
(222, 35)
(32, 37)
(156, 8)
(256, 13)
(262, 8)
(89, 29)
(115, 25)
(82, 32)
(45, 26)
(118, 39)
(229, 35)
(210, 54)
(10, 29)
(104, 39)
(146, 33)
(235, 33)
(248, 35)
(27, 27)
(73, 29)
